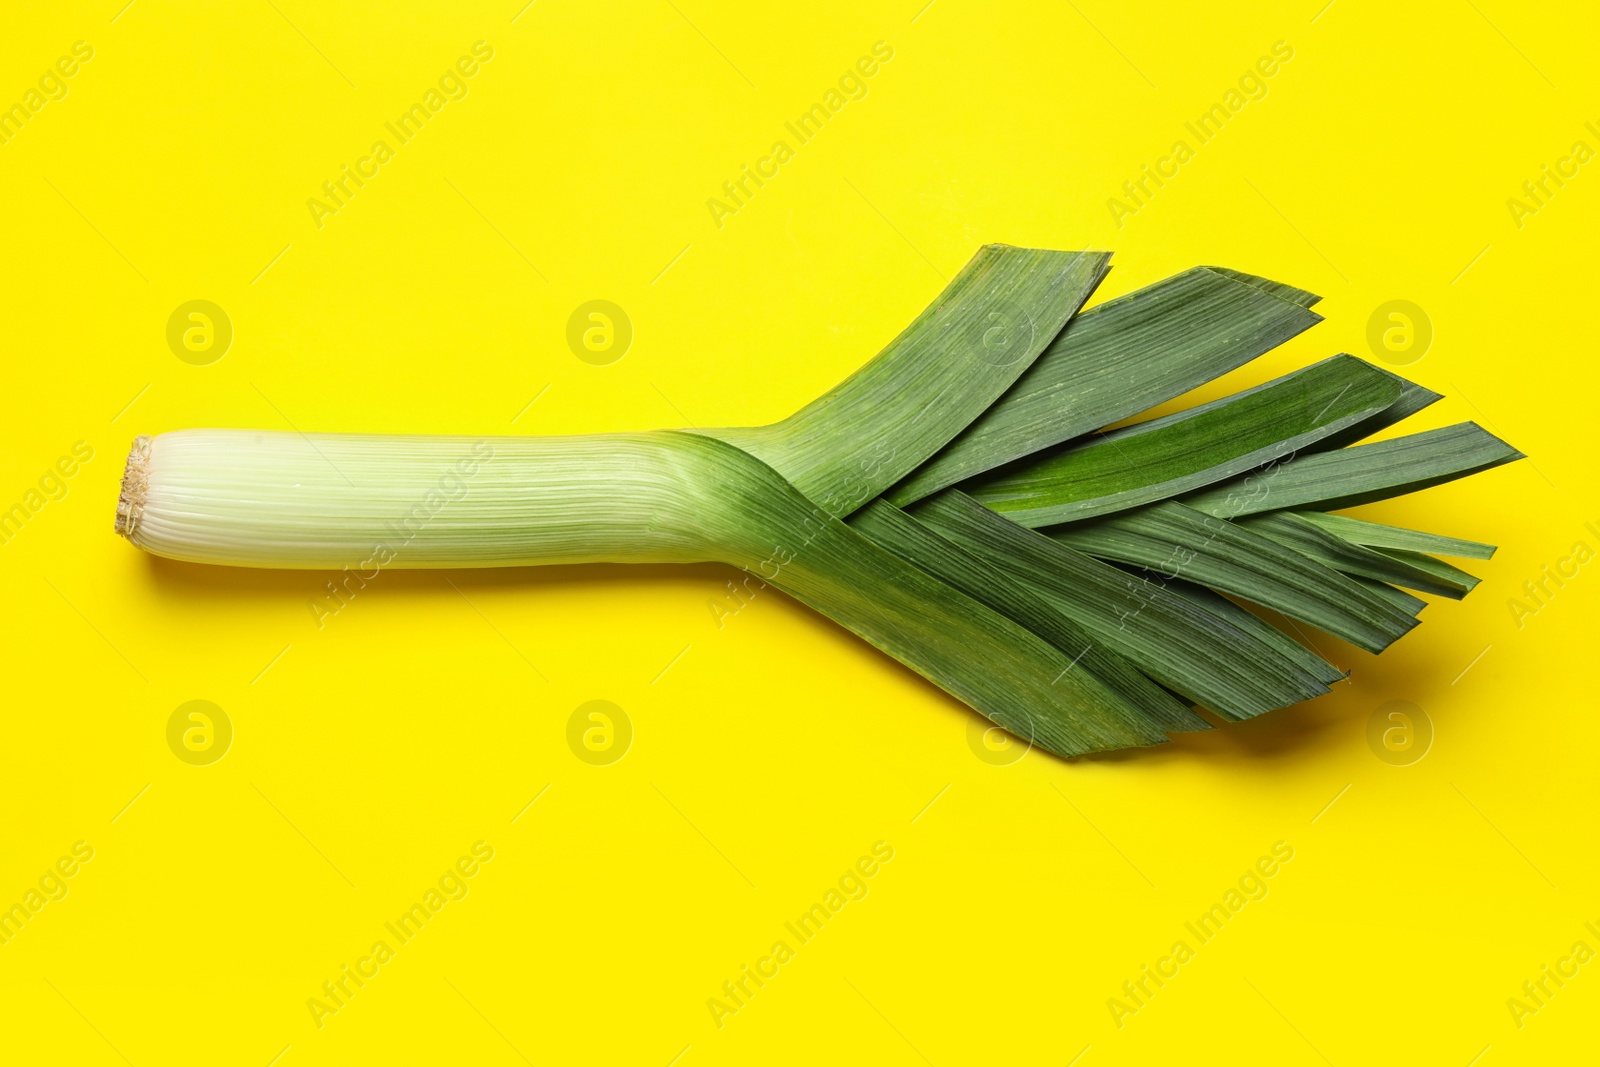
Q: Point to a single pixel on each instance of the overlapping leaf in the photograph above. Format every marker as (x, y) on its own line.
(919, 544)
(942, 372)
(1346, 477)
(1211, 443)
(1190, 650)
(1377, 535)
(1413, 570)
(1104, 557)
(1171, 539)
(1116, 360)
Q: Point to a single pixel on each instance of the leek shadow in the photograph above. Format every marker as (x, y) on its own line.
(206, 583)
(1276, 735)
(1417, 673)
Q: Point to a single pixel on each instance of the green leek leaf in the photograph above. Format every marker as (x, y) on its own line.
(1210, 443)
(936, 377)
(1395, 568)
(891, 528)
(1191, 651)
(1267, 285)
(1327, 481)
(1377, 535)
(1178, 542)
(1115, 360)
(1263, 631)
(1411, 605)
(1003, 670)
(1453, 581)
(1412, 399)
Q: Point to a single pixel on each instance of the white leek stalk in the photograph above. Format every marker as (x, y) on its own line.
(288, 500)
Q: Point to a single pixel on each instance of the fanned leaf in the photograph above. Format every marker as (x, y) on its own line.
(1411, 605)
(1449, 576)
(916, 543)
(1115, 360)
(1306, 659)
(943, 371)
(1267, 285)
(974, 653)
(1412, 399)
(1361, 474)
(1377, 535)
(1314, 542)
(1178, 542)
(1189, 650)
(1211, 443)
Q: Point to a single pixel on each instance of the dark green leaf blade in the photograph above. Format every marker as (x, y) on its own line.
(1361, 474)
(1453, 581)
(1179, 542)
(1306, 659)
(1411, 605)
(1115, 360)
(1314, 542)
(1190, 651)
(918, 544)
(1412, 399)
(1267, 285)
(1377, 535)
(976, 654)
(942, 372)
(1177, 453)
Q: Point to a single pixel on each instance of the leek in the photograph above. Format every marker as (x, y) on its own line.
(955, 502)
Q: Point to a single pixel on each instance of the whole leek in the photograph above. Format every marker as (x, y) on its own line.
(952, 503)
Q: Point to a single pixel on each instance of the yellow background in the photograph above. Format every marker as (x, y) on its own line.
(770, 753)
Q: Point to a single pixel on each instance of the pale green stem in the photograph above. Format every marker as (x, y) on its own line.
(288, 500)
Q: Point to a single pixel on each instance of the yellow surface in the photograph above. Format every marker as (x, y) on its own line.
(769, 755)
